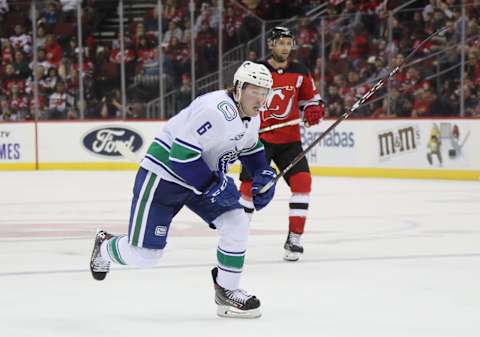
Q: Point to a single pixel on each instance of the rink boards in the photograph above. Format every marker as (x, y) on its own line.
(419, 148)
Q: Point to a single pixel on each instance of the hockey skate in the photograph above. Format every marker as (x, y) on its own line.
(234, 303)
(99, 266)
(293, 247)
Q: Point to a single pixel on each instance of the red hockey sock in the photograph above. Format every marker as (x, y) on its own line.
(246, 190)
(296, 224)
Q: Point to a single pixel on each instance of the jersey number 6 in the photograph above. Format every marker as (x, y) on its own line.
(201, 130)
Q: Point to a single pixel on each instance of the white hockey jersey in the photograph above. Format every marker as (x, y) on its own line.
(210, 128)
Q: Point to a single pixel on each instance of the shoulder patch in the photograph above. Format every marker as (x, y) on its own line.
(228, 110)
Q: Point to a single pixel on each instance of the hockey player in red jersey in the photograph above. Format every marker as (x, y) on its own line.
(293, 96)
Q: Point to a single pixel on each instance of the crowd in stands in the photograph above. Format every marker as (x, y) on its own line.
(58, 62)
(357, 54)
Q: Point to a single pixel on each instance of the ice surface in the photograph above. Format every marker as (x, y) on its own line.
(382, 258)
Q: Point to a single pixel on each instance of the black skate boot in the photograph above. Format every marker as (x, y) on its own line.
(234, 303)
(293, 247)
(98, 265)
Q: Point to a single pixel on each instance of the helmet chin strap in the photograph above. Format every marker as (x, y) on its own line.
(238, 95)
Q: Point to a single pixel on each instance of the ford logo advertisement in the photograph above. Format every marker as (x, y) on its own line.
(103, 141)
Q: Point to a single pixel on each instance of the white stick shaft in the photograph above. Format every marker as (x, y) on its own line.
(280, 125)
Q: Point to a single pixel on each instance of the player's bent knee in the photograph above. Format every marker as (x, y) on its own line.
(301, 182)
(144, 257)
(233, 227)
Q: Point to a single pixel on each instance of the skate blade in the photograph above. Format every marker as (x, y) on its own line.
(291, 256)
(230, 312)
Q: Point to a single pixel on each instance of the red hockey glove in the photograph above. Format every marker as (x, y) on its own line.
(313, 114)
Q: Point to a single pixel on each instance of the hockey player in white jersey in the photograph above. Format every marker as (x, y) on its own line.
(186, 165)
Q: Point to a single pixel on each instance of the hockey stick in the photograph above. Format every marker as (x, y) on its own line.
(284, 124)
(347, 114)
(280, 125)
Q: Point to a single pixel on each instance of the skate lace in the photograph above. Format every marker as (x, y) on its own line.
(238, 295)
(101, 265)
(294, 239)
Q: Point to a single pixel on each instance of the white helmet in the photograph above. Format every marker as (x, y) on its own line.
(253, 73)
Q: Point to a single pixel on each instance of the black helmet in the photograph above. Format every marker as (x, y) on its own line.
(278, 32)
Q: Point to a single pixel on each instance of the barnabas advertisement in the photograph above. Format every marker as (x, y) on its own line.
(340, 139)
(333, 149)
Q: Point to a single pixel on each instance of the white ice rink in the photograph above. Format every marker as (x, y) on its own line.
(382, 258)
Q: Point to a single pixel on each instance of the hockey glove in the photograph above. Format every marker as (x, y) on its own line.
(222, 190)
(313, 114)
(260, 179)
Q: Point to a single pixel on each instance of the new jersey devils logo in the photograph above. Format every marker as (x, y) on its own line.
(279, 103)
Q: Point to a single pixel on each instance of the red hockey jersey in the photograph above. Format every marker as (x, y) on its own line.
(293, 89)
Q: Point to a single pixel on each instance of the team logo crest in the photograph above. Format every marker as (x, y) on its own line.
(228, 110)
(226, 159)
(161, 231)
(279, 103)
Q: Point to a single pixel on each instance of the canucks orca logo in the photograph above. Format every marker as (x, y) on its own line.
(226, 159)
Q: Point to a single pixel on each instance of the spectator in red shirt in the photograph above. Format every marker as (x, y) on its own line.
(129, 57)
(145, 54)
(421, 104)
(412, 81)
(360, 46)
(11, 79)
(54, 50)
(115, 54)
(146, 49)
